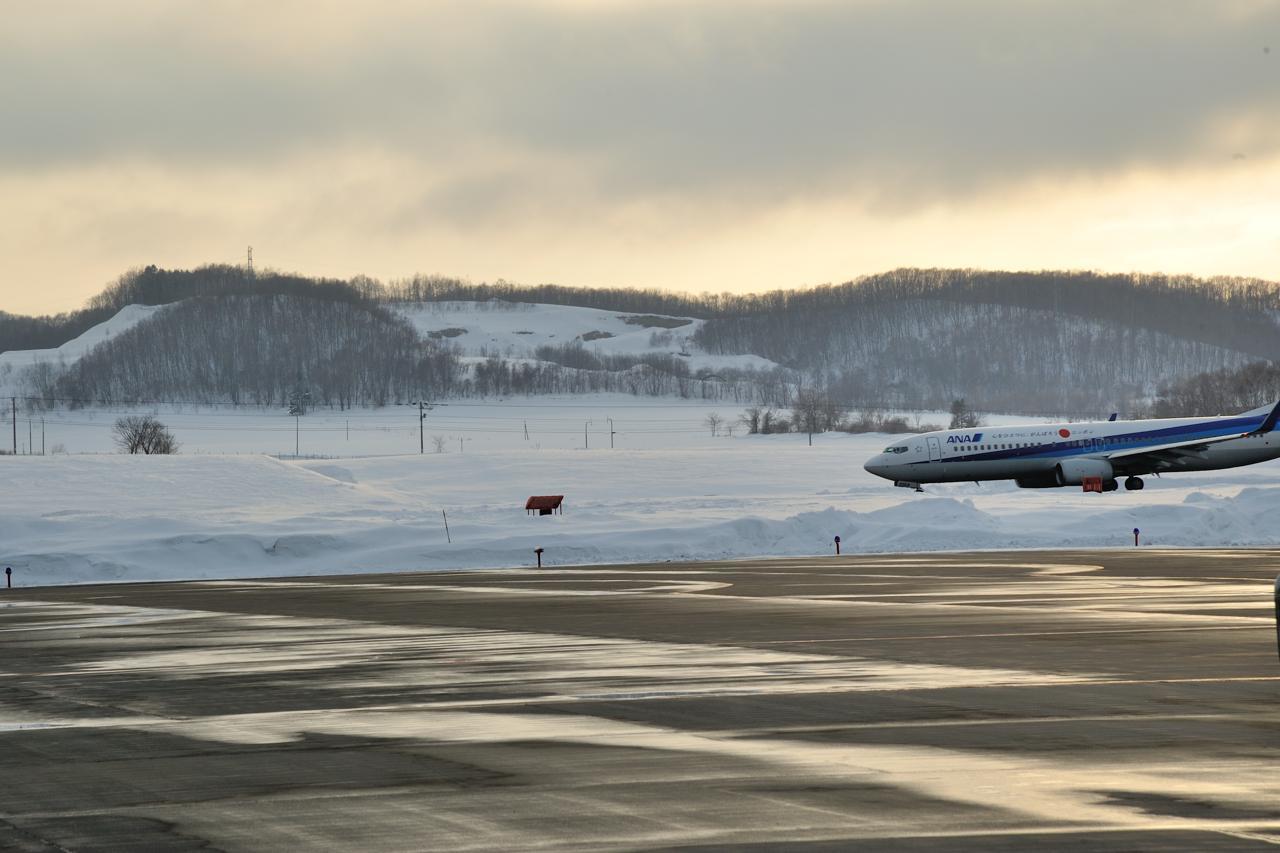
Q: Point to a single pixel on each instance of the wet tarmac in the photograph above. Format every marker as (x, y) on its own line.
(1050, 701)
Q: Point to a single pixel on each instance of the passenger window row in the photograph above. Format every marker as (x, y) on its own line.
(1080, 442)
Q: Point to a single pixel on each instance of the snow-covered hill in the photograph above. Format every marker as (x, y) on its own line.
(902, 354)
(14, 362)
(1065, 342)
(478, 330)
(517, 329)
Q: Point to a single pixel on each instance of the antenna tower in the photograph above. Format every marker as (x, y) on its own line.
(249, 265)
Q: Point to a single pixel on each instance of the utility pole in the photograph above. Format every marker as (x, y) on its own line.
(526, 430)
(298, 407)
(586, 442)
(13, 401)
(611, 433)
(31, 445)
(423, 406)
(42, 435)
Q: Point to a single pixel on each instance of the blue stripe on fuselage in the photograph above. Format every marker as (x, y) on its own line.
(1118, 441)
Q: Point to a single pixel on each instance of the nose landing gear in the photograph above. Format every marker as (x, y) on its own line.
(1133, 484)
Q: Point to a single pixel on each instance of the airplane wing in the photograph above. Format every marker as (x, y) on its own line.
(1169, 455)
(1170, 452)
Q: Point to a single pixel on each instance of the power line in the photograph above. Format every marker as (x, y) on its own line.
(384, 430)
(650, 403)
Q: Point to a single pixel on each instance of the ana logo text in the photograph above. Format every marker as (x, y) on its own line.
(976, 438)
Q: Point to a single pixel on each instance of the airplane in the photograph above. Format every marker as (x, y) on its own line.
(1091, 455)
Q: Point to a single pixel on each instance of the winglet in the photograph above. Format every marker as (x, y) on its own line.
(1270, 423)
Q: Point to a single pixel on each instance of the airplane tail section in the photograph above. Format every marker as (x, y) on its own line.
(1269, 422)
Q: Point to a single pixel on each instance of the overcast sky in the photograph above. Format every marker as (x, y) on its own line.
(733, 145)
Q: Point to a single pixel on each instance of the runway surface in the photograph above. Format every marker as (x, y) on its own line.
(1051, 701)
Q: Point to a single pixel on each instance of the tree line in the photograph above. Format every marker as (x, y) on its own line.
(1168, 303)
(814, 412)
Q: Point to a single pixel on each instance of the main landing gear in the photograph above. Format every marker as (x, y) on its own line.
(1133, 484)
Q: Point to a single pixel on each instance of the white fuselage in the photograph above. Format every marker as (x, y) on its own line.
(1038, 451)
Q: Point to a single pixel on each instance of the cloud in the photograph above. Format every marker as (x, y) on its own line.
(401, 124)
(666, 95)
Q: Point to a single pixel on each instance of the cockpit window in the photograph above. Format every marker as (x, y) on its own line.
(895, 450)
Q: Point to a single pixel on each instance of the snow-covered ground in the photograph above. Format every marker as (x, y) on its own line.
(669, 491)
(466, 426)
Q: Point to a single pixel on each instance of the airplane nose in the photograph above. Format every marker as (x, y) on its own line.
(873, 466)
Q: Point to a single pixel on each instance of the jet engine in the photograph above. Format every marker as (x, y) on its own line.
(1040, 480)
(1071, 472)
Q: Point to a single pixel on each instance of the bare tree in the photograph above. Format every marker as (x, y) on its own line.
(437, 442)
(143, 434)
(713, 420)
(813, 411)
(833, 414)
(806, 411)
(751, 419)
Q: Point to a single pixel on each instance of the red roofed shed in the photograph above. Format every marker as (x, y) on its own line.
(545, 504)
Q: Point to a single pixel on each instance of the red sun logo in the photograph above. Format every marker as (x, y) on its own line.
(1065, 433)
